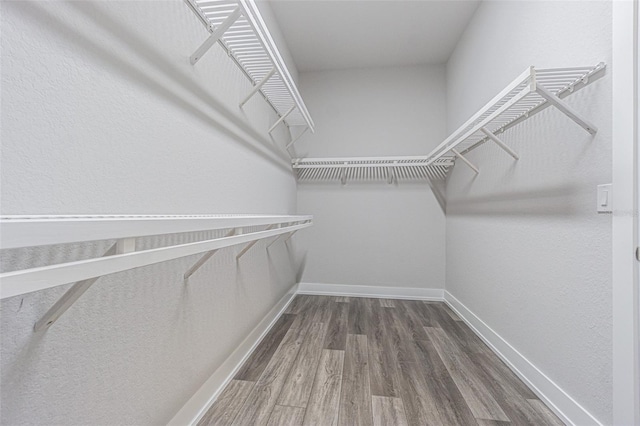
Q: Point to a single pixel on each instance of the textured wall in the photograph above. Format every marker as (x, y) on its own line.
(102, 113)
(374, 234)
(526, 250)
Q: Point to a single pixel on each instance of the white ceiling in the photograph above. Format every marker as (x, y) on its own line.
(338, 34)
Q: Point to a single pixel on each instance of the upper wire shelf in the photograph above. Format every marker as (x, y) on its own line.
(390, 169)
(239, 28)
(531, 92)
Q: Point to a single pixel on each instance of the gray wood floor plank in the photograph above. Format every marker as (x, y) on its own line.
(544, 411)
(359, 318)
(418, 396)
(384, 379)
(286, 416)
(383, 365)
(400, 337)
(228, 404)
(257, 408)
(518, 409)
(451, 404)
(297, 387)
(317, 311)
(470, 340)
(411, 321)
(355, 397)
(336, 337)
(478, 397)
(482, 422)
(507, 390)
(387, 303)
(257, 362)
(450, 312)
(424, 312)
(458, 331)
(388, 411)
(343, 299)
(323, 405)
(416, 392)
(323, 313)
(299, 303)
(500, 373)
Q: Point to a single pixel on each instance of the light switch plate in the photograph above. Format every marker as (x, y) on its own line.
(605, 198)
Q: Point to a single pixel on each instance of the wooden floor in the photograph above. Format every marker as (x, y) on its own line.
(356, 361)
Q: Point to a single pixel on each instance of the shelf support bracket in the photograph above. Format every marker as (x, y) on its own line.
(467, 162)
(125, 245)
(258, 86)
(391, 173)
(437, 190)
(343, 175)
(294, 140)
(276, 239)
(500, 143)
(204, 258)
(290, 235)
(215, 36)
(566, 109)
(281, 119)
(251, 244)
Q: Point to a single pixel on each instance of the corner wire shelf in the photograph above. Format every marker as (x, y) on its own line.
(531, 92)
(33, 231)
(238, 27)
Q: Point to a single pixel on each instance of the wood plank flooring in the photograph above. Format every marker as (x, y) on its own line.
(357, 361)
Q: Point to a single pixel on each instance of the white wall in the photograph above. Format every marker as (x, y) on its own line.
(526, 251)
(374, 234)
(102, 113)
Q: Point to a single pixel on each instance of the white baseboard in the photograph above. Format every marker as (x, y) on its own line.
(371, 291)
(565, 407)
(204, 398)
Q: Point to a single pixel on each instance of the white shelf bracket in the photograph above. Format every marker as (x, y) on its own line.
(251, 244)
(500, 143)
(258, 86)
(290, 235)
(391, 176)
(203, 259)
(122, 246)
(467, 162)
(437, 191)
(275, 240)
(215, 36)
(343, 175)
(281, 119)
(566, 109)
(294, 140)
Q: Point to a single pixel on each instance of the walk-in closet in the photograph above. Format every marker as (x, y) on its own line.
(319, 212)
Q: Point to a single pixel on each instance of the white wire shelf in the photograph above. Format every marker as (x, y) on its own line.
(531, 92)
(239, 28)
(30, 231)
(38, 230)
(389, 169)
